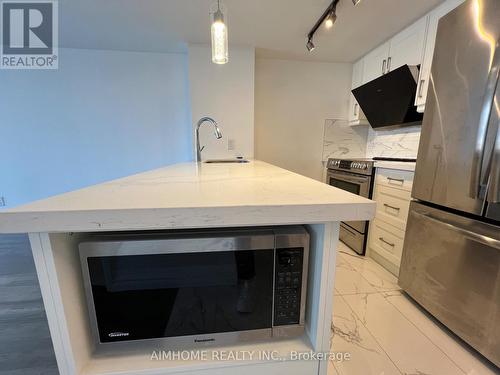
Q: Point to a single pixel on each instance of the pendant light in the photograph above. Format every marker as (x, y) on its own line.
(219, 37)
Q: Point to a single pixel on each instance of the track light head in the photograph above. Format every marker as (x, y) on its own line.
(310, 45)
(330, 20)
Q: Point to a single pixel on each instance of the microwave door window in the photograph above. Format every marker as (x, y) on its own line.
(164, 295)
(345, 185)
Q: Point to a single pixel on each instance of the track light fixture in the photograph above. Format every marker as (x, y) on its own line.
(310, 45)
(329, 17)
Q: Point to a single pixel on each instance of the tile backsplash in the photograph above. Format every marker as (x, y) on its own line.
(344, 141)
(399, 143)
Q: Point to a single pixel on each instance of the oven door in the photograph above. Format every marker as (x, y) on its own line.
(184, 291)
(353, 183)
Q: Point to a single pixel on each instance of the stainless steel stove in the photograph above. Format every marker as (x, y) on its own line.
(355, 176)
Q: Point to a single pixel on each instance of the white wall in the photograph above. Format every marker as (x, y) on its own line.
(292, 101)
(102, 115)
(226, 93)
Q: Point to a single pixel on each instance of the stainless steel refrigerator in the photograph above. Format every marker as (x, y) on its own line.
(451, 256)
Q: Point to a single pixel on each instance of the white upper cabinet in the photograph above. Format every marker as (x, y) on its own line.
(356, 116)
(425, 68)
(375, 62)
(413, 46)
(407, 47)
(357, 74)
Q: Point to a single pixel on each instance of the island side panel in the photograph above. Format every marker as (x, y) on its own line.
(324, 241)
(49, 286)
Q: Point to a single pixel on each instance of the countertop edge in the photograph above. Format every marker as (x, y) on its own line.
(179, 218)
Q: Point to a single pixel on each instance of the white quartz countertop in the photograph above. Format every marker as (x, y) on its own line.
(400, 165)
(191, 195)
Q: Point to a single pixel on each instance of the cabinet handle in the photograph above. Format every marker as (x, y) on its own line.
(389, 206)
(355, 109)
(396, 179)
(383, 66)
(389, 64)
(421, 87)
(386, 242)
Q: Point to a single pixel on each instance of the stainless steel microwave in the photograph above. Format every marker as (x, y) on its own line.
(196, 287)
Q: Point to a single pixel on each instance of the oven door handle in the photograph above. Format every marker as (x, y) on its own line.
(348, 178)
(349, 230)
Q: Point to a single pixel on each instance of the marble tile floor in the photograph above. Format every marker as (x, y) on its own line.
(386, 333)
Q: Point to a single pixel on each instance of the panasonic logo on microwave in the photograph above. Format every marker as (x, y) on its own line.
(118, 334)
(204, 340)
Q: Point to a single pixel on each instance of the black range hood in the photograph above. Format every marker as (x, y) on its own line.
(389, 100)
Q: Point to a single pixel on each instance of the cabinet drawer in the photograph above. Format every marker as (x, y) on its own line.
(386, 241)
(394, 178)
(392, 205)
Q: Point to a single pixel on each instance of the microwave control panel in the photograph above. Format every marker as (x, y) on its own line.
(288, 286)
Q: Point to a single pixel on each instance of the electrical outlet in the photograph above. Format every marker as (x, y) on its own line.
(231, 144)
(2, 201)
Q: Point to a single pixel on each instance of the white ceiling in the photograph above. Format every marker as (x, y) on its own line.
(277, 28)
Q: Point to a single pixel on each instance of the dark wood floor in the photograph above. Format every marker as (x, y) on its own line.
(25, 345)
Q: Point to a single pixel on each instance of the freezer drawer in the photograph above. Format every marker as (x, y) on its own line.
(451, 266)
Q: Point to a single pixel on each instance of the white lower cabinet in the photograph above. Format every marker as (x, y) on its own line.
(386, 245)
(392, 193)
(393, 205)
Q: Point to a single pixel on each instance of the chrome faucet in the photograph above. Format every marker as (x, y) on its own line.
(217, 134)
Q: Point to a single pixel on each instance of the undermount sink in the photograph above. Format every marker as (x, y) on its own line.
(215, 161)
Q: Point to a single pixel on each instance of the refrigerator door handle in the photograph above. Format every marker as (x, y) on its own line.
(478, 172)
(494, 183)
(486, 240)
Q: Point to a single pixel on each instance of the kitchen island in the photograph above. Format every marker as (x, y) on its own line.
(184, 196)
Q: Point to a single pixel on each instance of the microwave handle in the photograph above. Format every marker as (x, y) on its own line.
(348, 178)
